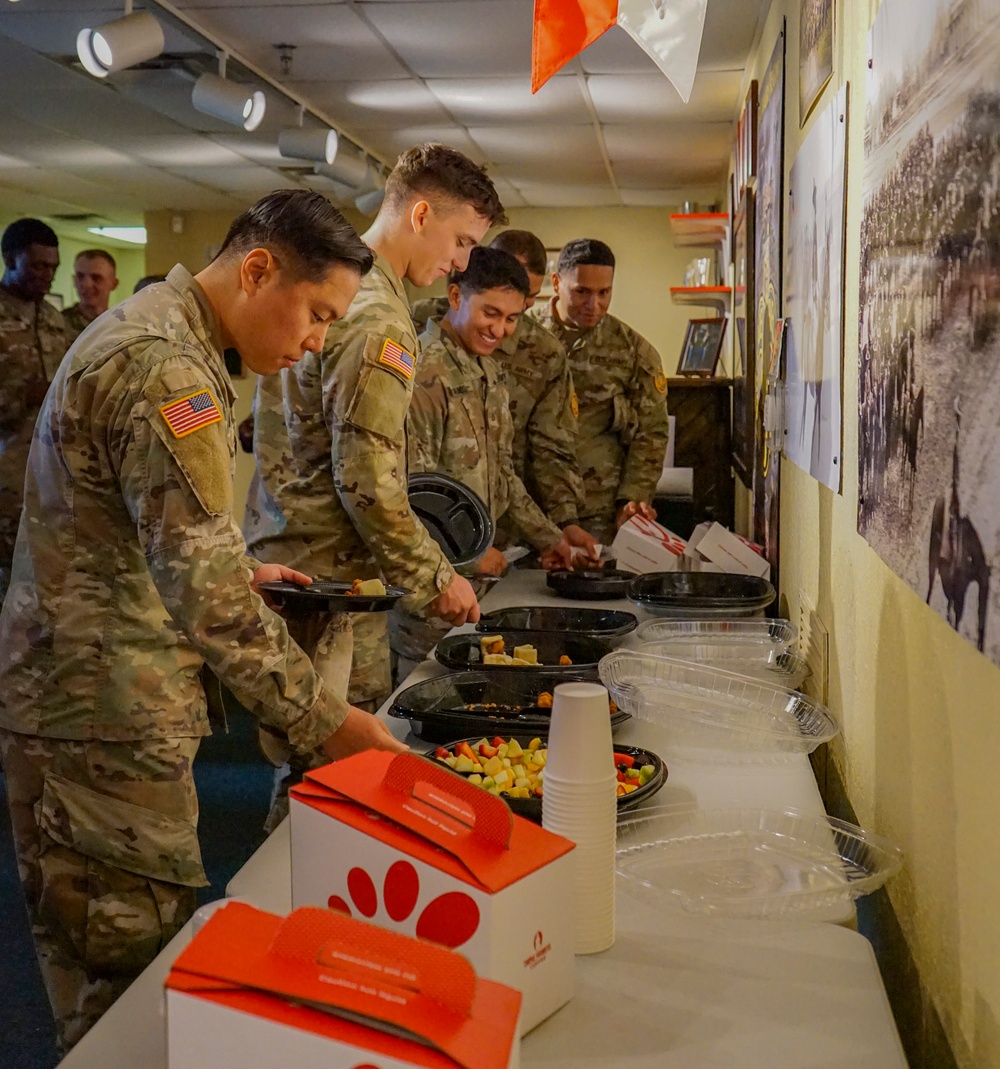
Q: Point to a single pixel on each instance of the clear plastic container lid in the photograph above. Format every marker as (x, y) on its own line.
(749, 862)
(782, 667)
(703, 708)
(701, 595)
(747, 635)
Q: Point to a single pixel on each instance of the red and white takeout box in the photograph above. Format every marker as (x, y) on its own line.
(318, 990)
(411, 846)
(643, 545)
(713, 545)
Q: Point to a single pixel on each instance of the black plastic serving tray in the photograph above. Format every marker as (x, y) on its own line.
(455, 516)
(484, 703)
(531, 808)
(598, 584)
(463, 651)
(594, 623)
(701, 590)
(324, 595)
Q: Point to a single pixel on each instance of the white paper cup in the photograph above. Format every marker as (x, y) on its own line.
(580, 746)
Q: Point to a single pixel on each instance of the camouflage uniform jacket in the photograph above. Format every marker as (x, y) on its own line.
(542, 404)
(622, 426)
(32, 343)
(76, 322)
(129, 571)
(329, 495)
(460, 425)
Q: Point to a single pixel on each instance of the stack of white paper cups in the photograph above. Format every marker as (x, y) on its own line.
(579, 803)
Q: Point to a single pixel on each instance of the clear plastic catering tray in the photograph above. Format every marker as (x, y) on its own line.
(748, 636)
(703, 708)
(782, 667)
(749, 862)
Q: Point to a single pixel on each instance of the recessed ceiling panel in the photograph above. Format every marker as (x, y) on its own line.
(331, 41)
(562, 147)
(392, 142)
(548, 168)
(482, 101)
(376, 104)
(464, 38)
(651, 98)
(562, 195)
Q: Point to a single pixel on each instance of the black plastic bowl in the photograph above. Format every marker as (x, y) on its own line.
(455, 516)
(598, 584)
(531, 808)
(485, 703)
(701, 592)
(594, 623)
(463, 651)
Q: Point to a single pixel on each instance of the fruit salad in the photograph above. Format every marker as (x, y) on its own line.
(504, 766)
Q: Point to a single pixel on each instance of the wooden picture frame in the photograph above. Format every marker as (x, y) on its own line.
(702, 347)
(745, 149)
(744, 371)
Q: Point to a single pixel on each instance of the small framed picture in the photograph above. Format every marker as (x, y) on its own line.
(702, 346)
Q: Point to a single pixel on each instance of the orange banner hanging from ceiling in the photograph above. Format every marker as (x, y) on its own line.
(563, 29)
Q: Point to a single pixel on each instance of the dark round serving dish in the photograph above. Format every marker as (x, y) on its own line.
(701, 593)
(455, 517)
(463, 651)
(531, 808)
(325, 595)
(456, 704)
(594, 623)
(598, 584)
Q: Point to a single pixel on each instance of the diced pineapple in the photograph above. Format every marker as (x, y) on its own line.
(372, 587)
(463, 764)
(522, 781)
(491, 644)
(528, 654)
(514, 748)
(519, 771)
(450, 761)
(476, 779)
(534, 744)
(496, 658)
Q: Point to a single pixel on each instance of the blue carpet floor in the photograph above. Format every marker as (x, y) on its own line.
(234, 786)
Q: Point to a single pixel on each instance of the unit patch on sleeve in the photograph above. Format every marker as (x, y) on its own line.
(191, 413)
(394, 356)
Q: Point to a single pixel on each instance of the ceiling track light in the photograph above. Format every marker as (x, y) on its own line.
(309, 143)
(122, 43)
(349, 167)
(229, 101)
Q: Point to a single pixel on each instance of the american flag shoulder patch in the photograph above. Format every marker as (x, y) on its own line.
(191, 413)
(395, 357)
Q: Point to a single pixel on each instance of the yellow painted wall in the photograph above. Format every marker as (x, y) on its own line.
(919, 707)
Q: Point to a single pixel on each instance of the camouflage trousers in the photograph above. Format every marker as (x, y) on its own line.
(107, 851)
(351, 654)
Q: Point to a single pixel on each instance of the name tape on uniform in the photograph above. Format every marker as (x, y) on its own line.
(394, 356)
(191, 413)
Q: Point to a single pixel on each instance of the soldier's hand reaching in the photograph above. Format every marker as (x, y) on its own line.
(272, 573)
(558, 556)
(581, 540)
(492, 562)
(457, 604)
(634, 508)
(361, 731)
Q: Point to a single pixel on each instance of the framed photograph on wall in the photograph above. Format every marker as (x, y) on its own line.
(816, 29)
(745, 149)
(744, 374)
(702, 346)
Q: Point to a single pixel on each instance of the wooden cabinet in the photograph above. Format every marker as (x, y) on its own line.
(702, 442)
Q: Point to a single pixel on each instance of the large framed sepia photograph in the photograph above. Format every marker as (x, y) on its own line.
(744, 375)
(702, 346)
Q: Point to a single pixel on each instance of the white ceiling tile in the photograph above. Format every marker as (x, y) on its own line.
(54, 30)
(377, 104)
(331, 41)
(478, 101)
(697, 140)
(651, 98)
(392, 142)
(563, 195)
(615, 52)
(462, 38)
(184, 150)
(554, 144)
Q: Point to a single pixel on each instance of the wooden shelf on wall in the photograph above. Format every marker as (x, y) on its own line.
(710, 296)
(700, 228)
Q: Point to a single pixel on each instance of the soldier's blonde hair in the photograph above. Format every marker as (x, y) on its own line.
(445, 179)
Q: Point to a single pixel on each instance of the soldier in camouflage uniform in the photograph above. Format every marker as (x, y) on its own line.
(130, 575)
(32, 342)
(94, 278)
(460, 423)
(620, 386)
(329, 495)
(542, 402)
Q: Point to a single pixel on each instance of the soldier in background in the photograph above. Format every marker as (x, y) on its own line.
(32, 342)
(460, 425)
(620, 385)
(129, 575)
(542, 402)
(95, 278)
(330, 492)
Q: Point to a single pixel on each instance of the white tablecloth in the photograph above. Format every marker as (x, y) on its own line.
(674, 990)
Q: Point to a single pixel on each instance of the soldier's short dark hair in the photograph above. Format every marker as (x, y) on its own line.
(446, 179)
(23, 233)
(97, 254)
(587, 252)
(525, 246)
(305, 227)
(148, 280)
(492, 269)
